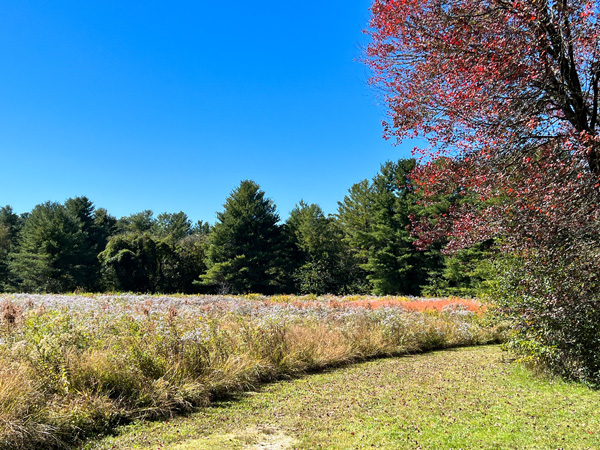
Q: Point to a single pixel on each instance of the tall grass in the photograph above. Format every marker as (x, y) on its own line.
(76, 366)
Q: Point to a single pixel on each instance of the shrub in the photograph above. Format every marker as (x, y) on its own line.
(554, 304)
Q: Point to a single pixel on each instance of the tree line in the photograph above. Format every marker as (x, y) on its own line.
(366, 247)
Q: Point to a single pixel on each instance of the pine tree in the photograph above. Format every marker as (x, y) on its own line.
(375, 217)
(49, 256)
(141, 222)
(10, 225)
(395, 266)
(96, 226)
(170, 226)
(247, 251)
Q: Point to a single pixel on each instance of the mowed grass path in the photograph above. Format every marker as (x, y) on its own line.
(468, 398)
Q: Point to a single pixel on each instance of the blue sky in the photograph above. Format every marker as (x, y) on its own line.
(169, 105)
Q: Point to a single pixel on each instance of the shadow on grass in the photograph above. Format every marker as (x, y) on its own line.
(226, 399)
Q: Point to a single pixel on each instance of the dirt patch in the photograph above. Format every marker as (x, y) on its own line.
(253, 438)
(272, 439)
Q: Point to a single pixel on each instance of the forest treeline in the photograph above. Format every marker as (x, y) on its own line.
(366, 247)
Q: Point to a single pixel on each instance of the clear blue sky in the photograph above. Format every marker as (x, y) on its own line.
(169, 105)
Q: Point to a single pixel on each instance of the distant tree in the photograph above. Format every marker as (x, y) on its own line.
(141, 222)
(10, 226)
(13, 222)
(49, 257)
(105, 226)
(4, 251)
(137, 262)
(4, 237)
(246, 251)
(144, 263)
(96, 226)
(394, 264)
(323, 259)
(201, 227)
(174, 226)
(469, 272)
(355, 217)
(375, 217)
(190, 255)
(163, 254)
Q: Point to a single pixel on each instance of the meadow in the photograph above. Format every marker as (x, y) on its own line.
(77, 366)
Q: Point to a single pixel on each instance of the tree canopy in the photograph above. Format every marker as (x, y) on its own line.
(506, 94)
(247, 245)
(509, 90)
(322, 259)
(51, 249)
(375, 217)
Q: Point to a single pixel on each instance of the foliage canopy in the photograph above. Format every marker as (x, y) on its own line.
(507, 96)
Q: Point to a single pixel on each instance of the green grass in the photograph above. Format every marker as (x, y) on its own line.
(466, 398)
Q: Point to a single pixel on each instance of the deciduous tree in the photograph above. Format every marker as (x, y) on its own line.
(137, 262)
(324, 263)
(510, 91)
(506, 93)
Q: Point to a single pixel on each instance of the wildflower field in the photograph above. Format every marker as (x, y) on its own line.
(75, 366)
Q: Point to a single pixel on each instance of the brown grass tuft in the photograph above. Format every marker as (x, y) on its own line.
(11, 313)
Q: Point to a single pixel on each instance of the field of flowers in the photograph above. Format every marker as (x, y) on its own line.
(74, 366)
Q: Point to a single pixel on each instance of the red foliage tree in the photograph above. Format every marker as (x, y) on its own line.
(509, 90)
(506, 93)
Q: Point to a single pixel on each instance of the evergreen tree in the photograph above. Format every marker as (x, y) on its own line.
(12, 222)
(49, 256)
(246, 250)
(172, 226)
(395, 266)
(375, 217)
(105, 226)
(355, 217)
(4, 251)
(141, 222)
(10, 225)
(96, 226)
(469, 272)
(201, 227)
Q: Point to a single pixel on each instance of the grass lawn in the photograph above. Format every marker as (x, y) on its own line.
(461, 399)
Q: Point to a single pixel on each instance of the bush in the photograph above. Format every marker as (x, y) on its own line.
(554, 303)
